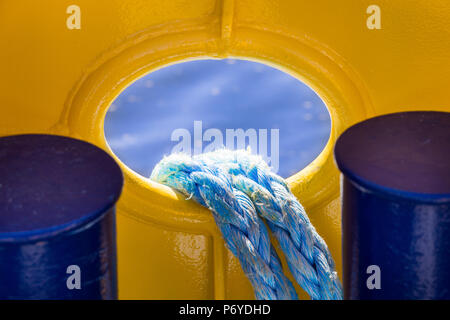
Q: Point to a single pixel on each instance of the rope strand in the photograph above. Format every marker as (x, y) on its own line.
(240, 190)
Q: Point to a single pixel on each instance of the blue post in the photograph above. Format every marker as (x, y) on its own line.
(396, 206)
(57, 219)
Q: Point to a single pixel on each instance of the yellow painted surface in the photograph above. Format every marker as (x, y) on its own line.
(56, 80)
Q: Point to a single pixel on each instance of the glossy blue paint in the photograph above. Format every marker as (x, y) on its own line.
(396, 205)
(57, 197)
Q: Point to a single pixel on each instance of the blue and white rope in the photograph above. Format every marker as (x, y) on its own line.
(241, 191)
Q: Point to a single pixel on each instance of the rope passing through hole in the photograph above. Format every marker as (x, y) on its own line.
(242, 193)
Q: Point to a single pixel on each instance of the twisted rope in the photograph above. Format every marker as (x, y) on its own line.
(241, 191)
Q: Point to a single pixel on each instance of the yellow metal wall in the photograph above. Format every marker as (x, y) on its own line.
(57, 80)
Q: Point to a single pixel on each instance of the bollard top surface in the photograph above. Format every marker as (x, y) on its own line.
(406, 154)
(52, 184)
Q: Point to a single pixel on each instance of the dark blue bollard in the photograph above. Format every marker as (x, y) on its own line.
(57, 219)
(396, 206)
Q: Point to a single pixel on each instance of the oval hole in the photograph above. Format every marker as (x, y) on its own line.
(200, 105)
